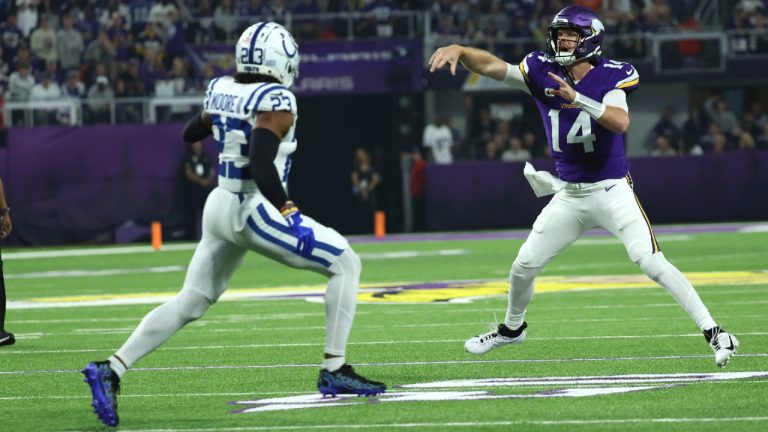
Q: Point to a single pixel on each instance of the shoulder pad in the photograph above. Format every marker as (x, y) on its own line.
(270, 97)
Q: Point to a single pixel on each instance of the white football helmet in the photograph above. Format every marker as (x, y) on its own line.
(267, 48)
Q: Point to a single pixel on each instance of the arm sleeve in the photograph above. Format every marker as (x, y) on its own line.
(616, 98)
(263, 146)
(195, 130)
(516, 77)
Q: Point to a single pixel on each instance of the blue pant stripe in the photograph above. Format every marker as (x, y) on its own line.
(287, 230)
(274, 240)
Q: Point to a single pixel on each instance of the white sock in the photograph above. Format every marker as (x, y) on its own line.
(117, 365)
(333, 363)
(341, 302)
(521, 281)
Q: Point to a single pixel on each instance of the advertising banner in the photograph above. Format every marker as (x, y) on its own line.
(340, 67)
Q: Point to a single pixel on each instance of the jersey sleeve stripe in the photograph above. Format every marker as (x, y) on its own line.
(628, 83)
(523, 66)
(632, 79)
(208, 93)
(250, 98)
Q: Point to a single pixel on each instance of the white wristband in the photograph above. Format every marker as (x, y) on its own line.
(592, 107)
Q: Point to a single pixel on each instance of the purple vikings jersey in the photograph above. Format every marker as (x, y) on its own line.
(584, 150)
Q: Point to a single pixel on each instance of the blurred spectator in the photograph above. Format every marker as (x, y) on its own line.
(149, 38)
(176, 36)
(100, 98)
(20, 84)
(707, 141)
(52, 69)
(515, 151)
(365, 179)
(12, 38)
(5, 70)
(209, 73)
(70, 43)
(121, 39)
(254, 9)
(43, 42)
(129, 85)
(756, 109)
(73, 87)
(762, 138)
(719, 113)
(663, 147)
(418, 190)
(225, 23)
(202, 24)
(438, 140)
(470, 33)
(381, 12)
(100, 52)
(88, 25)
(746, 141)
(666, 127)
(277, 11)
(159, 13)
(151, 69)
(176, 83)
(198, 177)
(720, 144)
(46, 90)
(495, 146)
(305, 28)
(446, 32)
(694, 128)
(26, 12)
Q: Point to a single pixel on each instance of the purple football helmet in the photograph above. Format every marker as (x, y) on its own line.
(584, 22)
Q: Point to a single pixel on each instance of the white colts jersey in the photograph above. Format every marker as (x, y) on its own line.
(233, 108)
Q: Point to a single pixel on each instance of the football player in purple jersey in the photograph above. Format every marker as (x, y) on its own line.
(581, 97)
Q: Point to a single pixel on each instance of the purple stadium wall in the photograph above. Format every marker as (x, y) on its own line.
(492, 195)
(74, 185)
(70, 185)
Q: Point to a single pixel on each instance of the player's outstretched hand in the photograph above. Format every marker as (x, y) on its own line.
(303, 233)
(565, 91)
(449, 54)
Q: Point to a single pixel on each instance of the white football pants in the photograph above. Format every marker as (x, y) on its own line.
(609, 204)
(233, 224)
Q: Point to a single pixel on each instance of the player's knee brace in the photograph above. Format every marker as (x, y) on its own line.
(191, 305)
(654, 265)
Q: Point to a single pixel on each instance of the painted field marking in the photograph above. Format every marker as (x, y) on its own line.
(478, 389)
(429, 292)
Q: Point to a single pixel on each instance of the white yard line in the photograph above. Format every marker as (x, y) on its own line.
(464, 425)
(413, 363)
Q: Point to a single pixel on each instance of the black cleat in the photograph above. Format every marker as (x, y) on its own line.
(105, 385)
(7, 338)
(346, 381)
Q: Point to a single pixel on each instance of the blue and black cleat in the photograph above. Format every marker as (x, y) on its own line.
(346, 381)
(105, 384)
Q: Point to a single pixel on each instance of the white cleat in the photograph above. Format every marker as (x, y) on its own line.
(483, 343)
(724, 345)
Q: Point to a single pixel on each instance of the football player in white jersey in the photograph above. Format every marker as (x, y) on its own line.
(252, 116)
